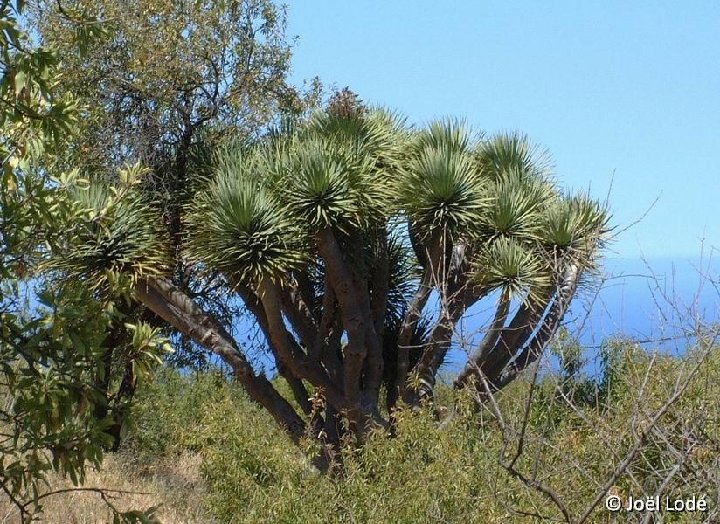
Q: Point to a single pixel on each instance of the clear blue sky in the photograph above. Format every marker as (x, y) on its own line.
(626, 87)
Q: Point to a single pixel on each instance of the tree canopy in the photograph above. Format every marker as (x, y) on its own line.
(164, 80)
(162, 85)
(336, 232)
(168, 198)
(53, 333)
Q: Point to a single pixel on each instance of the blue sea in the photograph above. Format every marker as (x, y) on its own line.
(659, 302)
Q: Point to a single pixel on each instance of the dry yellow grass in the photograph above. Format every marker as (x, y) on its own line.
(175, 485)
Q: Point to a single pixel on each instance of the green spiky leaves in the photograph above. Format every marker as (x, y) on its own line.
(257, 217)
(509, 264)
(328, 186)
(575, 224)
(442, 187)
(238, 227)
(512, 153)
(355, 173)
(517, 173)
(336, 171)
(516, 207)
(120, 237)
(377, 135)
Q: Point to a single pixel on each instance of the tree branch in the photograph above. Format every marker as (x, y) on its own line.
(164, 299)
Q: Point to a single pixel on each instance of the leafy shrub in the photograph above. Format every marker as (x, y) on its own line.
(450, 467)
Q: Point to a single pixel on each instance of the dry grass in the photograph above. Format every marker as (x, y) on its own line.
(175, 485)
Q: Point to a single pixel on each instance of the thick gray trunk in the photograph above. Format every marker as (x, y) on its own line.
(550, 324)
(362, 362)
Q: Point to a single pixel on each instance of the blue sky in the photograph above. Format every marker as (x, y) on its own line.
(630, 88)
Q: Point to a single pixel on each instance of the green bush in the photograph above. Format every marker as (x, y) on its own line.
(449, 467)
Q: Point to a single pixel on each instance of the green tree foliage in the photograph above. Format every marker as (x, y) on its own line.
(165, 79)
(334, 234)
(52, 332)
(161, 85)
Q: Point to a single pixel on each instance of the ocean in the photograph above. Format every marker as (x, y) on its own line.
(658, 302)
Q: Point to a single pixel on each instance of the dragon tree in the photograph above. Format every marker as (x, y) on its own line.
(356, 243)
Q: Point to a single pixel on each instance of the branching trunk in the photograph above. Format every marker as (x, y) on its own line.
(520, 344)
(362, 390)
(407, 330)
(457, 294)
(550, 324)
(289, 353)
(511, 338)
(489, 340)
(298, 313)
(165, 300)
(300, 393)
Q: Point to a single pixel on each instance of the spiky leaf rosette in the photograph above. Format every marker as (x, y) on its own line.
(445, 135)
(510, 264)
(575, 226)
(517, 202)
(119, 240)
(327, 184)
(441, 188)
(378, 134)
(512, 152)
(237, 227)
(518, 177)
(343, 166)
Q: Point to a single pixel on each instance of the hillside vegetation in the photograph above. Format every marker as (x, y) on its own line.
(200, 449)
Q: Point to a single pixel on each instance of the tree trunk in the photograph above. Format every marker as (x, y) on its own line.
(176, 308)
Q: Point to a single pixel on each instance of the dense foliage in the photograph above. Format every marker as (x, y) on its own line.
(453, 471)
(336, 234)
(53, 333)
(162, 83)
(164, 183)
